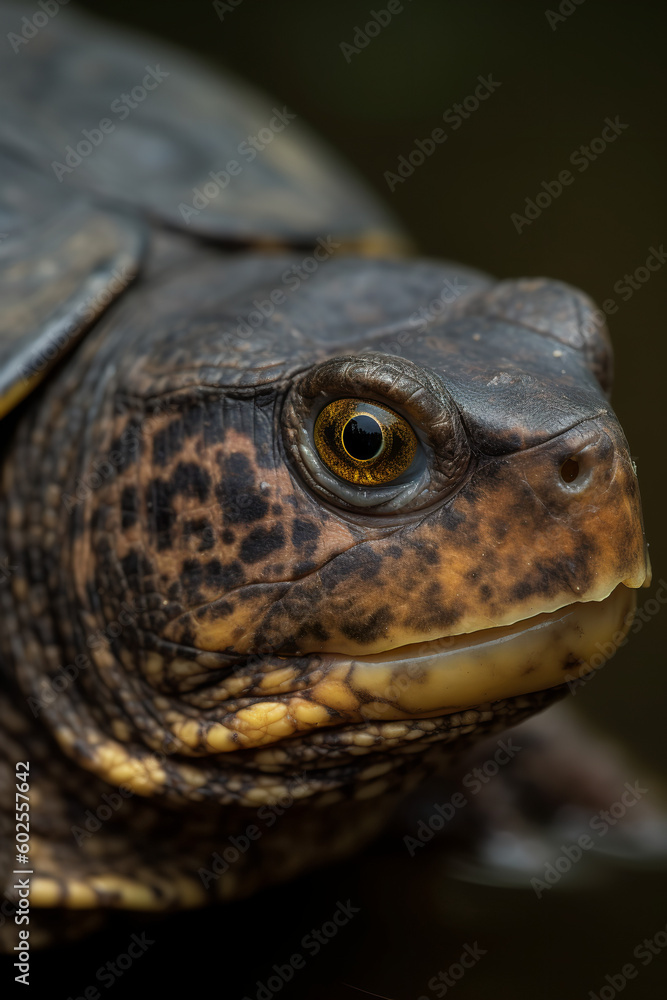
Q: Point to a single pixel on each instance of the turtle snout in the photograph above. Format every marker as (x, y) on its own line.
(594, 487)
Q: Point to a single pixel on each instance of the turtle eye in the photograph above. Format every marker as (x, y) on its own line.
(363, 442)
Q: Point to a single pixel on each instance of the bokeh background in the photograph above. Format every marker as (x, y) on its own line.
(559, 81)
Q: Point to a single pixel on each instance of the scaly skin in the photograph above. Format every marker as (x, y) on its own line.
(194, 608)
(197, 591)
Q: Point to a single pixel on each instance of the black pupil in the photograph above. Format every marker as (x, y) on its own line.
(362, 437)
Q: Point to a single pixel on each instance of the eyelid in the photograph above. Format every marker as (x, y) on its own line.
(415, 394)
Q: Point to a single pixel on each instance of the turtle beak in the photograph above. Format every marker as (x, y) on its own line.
(465, 671)
(435, 678)
(641, 578)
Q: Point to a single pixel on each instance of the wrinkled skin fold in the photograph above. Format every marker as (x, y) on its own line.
(238, 628)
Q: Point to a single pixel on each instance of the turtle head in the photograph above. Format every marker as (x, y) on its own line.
(401, 512)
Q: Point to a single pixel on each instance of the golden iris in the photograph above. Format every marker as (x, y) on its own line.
(364, 442)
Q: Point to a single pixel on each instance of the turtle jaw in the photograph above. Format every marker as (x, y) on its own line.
(463, 671)
(439, 677)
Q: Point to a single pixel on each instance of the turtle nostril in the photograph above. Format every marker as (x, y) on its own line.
(569, 470)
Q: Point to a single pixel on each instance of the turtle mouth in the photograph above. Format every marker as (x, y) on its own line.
(462, 671)
(438, 677)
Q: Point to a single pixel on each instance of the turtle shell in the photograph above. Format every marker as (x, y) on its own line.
(62, 262)
(101, 133)
(184, 129)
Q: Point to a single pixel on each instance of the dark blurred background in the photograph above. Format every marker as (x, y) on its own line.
(561, 74)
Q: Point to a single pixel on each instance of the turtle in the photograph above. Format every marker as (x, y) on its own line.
(289, 514)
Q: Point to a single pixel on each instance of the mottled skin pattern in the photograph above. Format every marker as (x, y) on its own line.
(181, 577)
(168, 545)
